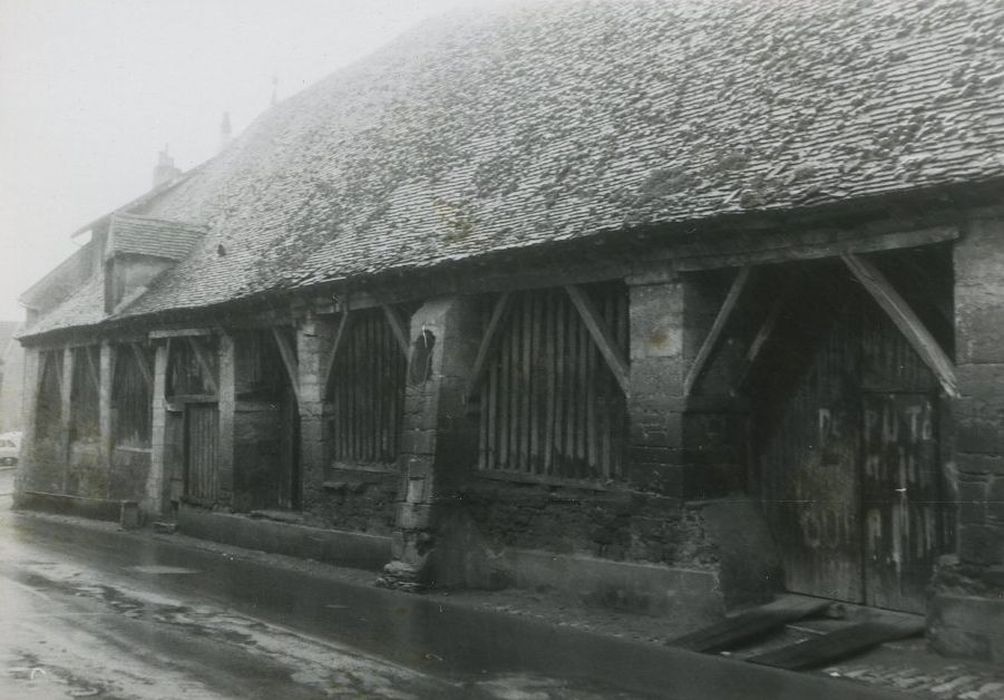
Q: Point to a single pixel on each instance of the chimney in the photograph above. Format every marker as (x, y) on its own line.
(226, 132)
(164, 171)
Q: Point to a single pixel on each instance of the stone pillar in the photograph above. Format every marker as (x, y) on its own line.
(439, 436)
(157, 501)
(655, 401)
(227, 407)
(313, 347)
(967, 613)
(684, 446)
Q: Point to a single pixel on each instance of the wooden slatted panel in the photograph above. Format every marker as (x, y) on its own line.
(131, 401)
(367, 392)
(50, 404)
(549, 404)
(84, 396)
(185, 374)
(201, 452)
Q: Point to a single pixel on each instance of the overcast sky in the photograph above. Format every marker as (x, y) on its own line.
(90, 90)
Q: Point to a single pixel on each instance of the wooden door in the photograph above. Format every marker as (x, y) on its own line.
(849, 458)
(901, 475)
(809, 457)
(902, 504)
(202, 431)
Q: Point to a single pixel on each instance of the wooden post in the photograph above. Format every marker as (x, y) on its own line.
(66, 412)
(226, 389)
(157, 497)
(105, 373)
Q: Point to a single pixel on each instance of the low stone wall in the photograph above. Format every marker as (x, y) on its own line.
(124, 512)
(357, 500)
(351, 549)
(648, 589)
(966, 613)
(616, 525)
(130, 469)
(627, 550)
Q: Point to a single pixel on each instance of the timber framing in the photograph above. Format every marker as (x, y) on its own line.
(202, 357)
(289, 361)
(876, 283)
(397, 326)
(143, 364)
(344, 324)
(602, 336)
(739, 284)
(180, 333)
(488, 343)
(763, 334)
(92, 369)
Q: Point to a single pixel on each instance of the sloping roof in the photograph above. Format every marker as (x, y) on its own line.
(86, 307)
(503, 130)
(61, 281)
(143, 235)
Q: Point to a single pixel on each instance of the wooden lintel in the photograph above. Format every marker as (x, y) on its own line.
(397, 326)
(180, 333)
(288, 360)
(717, 328)
(204, 363)
(144, 366)
(488, 343)
(920, 339)
(340, 335)
(812, 246)
(603, 337)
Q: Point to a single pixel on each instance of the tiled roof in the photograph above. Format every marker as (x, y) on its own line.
(485, 132)
(84, 308)
(142, 235)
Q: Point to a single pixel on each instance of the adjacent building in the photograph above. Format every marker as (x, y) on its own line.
(675, 304)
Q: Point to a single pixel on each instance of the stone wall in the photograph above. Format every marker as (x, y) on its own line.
(130, 469)
(614, 524)
(967, 611)
(356, 500)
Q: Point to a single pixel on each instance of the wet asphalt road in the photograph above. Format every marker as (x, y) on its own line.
(87, 612)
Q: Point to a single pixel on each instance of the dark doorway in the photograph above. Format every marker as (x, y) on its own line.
(847, 447)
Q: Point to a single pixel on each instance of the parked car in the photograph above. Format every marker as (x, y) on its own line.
(10, 447)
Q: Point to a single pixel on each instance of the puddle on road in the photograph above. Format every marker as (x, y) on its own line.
(157, 569)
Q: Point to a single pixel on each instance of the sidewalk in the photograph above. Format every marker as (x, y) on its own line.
(902, 666)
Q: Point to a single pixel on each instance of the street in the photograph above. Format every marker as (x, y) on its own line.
(91, 612)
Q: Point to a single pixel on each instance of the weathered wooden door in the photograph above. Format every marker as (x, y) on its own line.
(202, 430)
(901, 480)
(901, 499)
(810, 455)
(849, 459)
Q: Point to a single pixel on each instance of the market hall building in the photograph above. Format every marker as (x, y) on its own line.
(670, 306)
